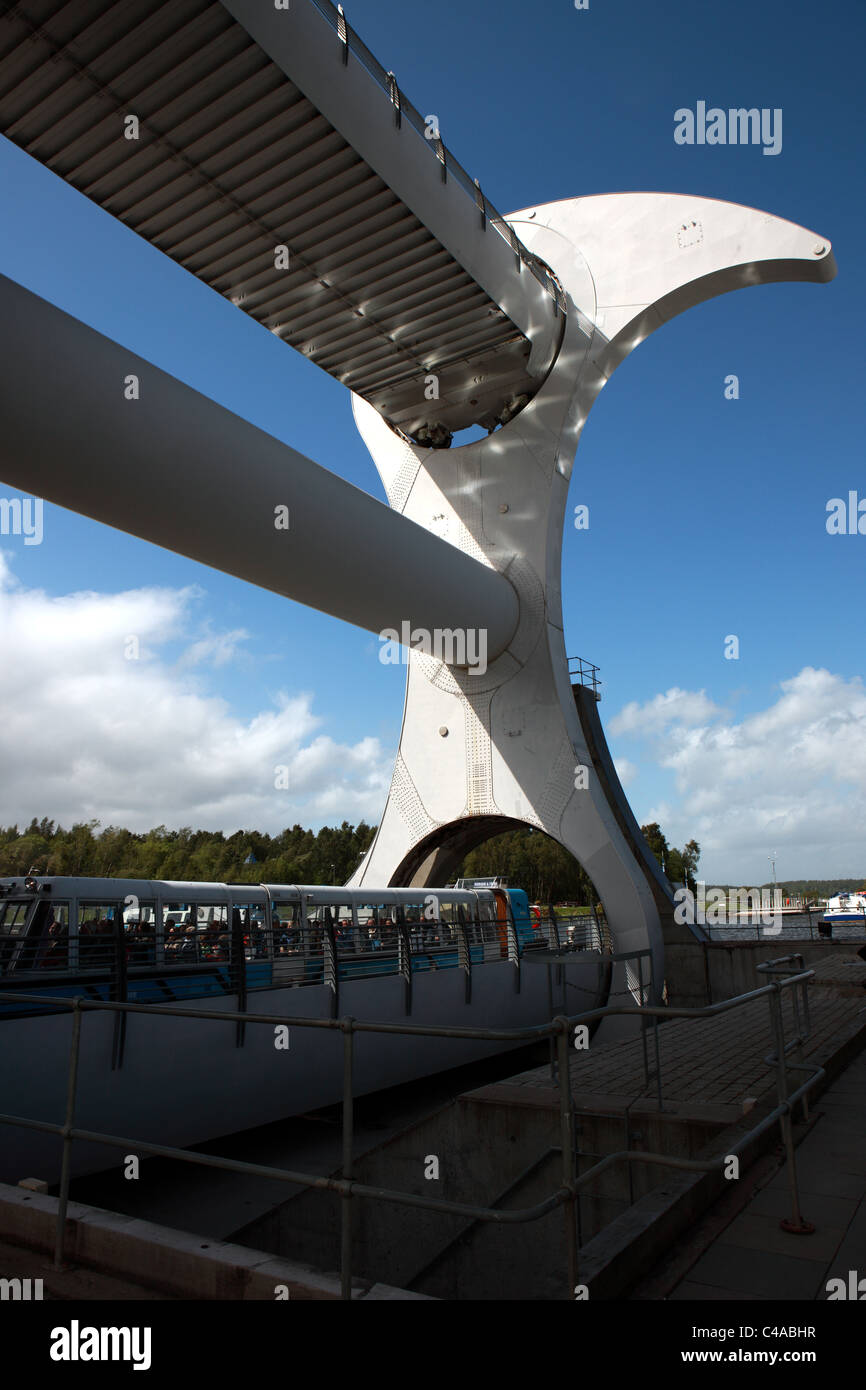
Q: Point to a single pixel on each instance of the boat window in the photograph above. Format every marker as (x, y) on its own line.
(97, 934)
(376, 926)
(253, 925)
(287, 944)
(196, 932)
(46, 945)
(344, 930)
(139, 930)
(13, 916)
(413, 916)
(52, 950)
(285, 931)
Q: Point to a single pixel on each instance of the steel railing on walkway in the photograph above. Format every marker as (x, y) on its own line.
(560, 1030)
(584, 673)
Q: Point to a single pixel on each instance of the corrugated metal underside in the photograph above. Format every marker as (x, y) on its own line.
(233, 161)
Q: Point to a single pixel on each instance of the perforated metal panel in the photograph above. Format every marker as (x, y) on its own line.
(232, 161)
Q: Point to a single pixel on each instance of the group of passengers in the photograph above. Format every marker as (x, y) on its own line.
(189, 943)
(382, 935)
(185, 945)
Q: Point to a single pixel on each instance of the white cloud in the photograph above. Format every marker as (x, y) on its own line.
(216, 648)
(86, 732)
(685, 707)
(626, 771)
(790, 778)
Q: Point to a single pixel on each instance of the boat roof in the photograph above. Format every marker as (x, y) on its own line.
(111, 889)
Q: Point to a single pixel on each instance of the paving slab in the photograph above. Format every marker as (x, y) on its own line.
(752, 1256)
(829, 1210)
(689, 1290)
(716, 1061)
(765, 1272)
(754, 1231)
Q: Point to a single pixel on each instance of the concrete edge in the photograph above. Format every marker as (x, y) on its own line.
(173, 1262)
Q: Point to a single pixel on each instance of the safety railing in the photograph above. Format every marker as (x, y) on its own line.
(802, 925)
(559, 1030)
(586, 933)
(354, 47)
(237, 952)
(584, 673)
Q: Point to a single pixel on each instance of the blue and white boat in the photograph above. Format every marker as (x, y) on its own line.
(428, 956)
(845, 908)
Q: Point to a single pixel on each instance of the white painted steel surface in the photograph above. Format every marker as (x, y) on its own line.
(488, 749)
(177, 469)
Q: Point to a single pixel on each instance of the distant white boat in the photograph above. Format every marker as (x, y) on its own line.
(846, 907)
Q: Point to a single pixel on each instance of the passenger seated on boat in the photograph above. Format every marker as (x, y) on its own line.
(286, 939)
(173, 940)
(189, 944)
(219, 949)
(94, 947)
(142, 945)
(54, 950)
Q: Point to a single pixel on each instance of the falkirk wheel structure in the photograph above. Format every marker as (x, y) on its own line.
(273, 157)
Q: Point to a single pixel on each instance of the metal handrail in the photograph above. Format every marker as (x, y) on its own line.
(586, 673)
(451, 167)
(558, 1029)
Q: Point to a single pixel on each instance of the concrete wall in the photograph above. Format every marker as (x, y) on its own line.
(731, 968)
(489, 1143)
(699, 973)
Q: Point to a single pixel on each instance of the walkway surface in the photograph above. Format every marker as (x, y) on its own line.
(716, 1062)
(754, 1259)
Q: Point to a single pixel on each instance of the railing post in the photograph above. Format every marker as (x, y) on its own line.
(567, 1144)
(118, 989)
(66, 1165)
(796, 1225)
(347, 1025)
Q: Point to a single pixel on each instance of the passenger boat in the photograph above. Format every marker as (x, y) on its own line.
(441, 957)
(846, 908)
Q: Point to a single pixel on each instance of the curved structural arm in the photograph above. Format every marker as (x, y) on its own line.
(175, 468)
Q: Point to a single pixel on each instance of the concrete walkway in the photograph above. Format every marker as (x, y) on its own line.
(717, 1061)
(754, 1259)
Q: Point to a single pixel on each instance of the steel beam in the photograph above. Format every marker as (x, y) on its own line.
(175, 468)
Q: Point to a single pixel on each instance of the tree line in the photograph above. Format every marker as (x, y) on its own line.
(528, 858)
(330, 855)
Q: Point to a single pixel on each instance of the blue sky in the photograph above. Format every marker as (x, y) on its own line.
(707, 515)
